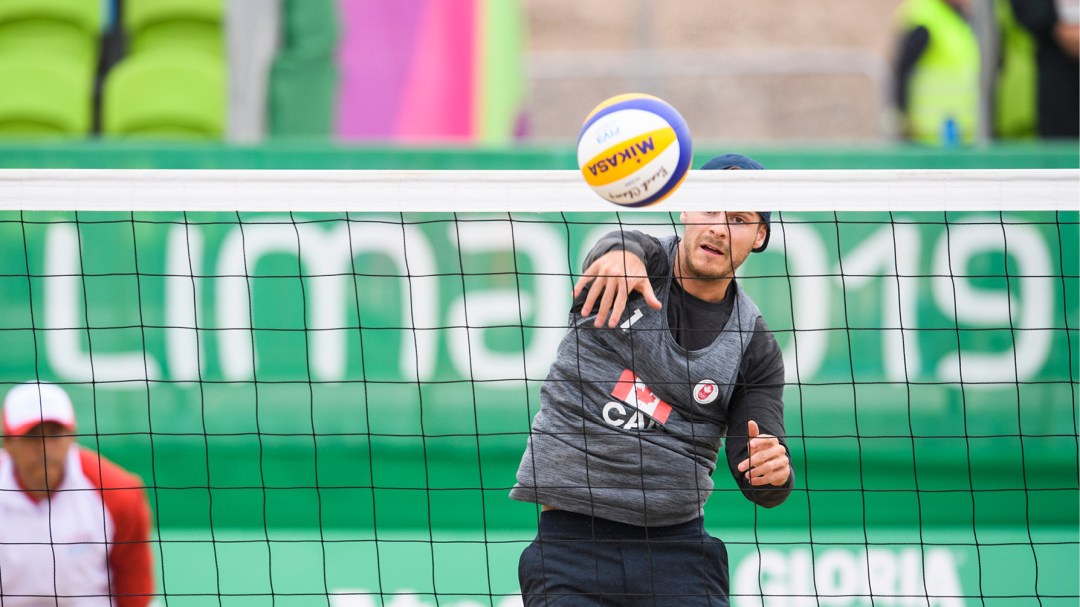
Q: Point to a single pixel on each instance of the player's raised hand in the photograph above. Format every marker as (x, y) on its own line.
(768, 463)
(613, 276)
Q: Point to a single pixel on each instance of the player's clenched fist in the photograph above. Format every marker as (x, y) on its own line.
(768, 463)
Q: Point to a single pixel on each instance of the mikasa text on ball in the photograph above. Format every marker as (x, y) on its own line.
(634, 149)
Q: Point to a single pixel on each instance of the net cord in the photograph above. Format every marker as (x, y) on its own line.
(531, 191)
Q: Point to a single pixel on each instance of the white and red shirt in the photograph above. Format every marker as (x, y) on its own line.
(87, 546)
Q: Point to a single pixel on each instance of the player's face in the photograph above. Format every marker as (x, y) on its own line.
(716, 243)
(39, 456)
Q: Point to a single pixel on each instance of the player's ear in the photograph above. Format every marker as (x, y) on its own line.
(762, 233)
(682, 217)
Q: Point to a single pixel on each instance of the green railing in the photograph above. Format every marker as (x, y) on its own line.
(317, 154)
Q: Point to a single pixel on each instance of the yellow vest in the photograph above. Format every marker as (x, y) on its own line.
(944, 83)
(944, 86)
(1014, 102)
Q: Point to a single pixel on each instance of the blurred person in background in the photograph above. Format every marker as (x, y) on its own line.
(74, 527)
(937, 77)
(1055, 26)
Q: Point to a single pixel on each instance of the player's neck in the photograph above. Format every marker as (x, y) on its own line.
(712, 290)
(706, 288)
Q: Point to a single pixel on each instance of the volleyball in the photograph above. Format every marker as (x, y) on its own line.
(634, 149)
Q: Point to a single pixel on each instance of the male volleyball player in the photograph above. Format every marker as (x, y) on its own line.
(675, 359)
(74, 527)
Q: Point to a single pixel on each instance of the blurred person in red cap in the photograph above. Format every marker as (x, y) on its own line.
(74, 527)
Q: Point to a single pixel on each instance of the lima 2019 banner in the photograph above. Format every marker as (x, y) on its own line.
(979, 299)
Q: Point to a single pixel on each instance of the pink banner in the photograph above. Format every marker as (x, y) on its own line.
(408, 69)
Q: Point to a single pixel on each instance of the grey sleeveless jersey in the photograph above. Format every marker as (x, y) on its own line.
(630, 423)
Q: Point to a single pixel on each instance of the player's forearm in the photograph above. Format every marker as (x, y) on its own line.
(760, 401)
(642, 245)
(737, 447)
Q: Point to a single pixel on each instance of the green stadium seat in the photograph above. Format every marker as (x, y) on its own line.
(51, 98)
(180, 24)
(69, 29)
(165, 95)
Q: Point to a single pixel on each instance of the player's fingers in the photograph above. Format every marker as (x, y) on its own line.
(752, 429)
(776, 475)
(606, 300)
(760, 473)
(757, 475)
(592, 274)
(770, 453)
(754, 448)
(762, 443)
(579, 286)
(595, 289)
(650, 296)
(773, 471)
(761, 454)
(759, 481)
(744, 466)
(619, 304)
(764, 465)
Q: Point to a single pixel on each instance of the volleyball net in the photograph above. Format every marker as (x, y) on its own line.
(326, 378)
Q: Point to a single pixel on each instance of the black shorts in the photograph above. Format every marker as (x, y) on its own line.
(580, 561)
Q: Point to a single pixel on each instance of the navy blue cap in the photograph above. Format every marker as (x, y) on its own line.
(738, 161)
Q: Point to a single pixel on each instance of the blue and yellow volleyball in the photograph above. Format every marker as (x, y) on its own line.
(634, 149)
